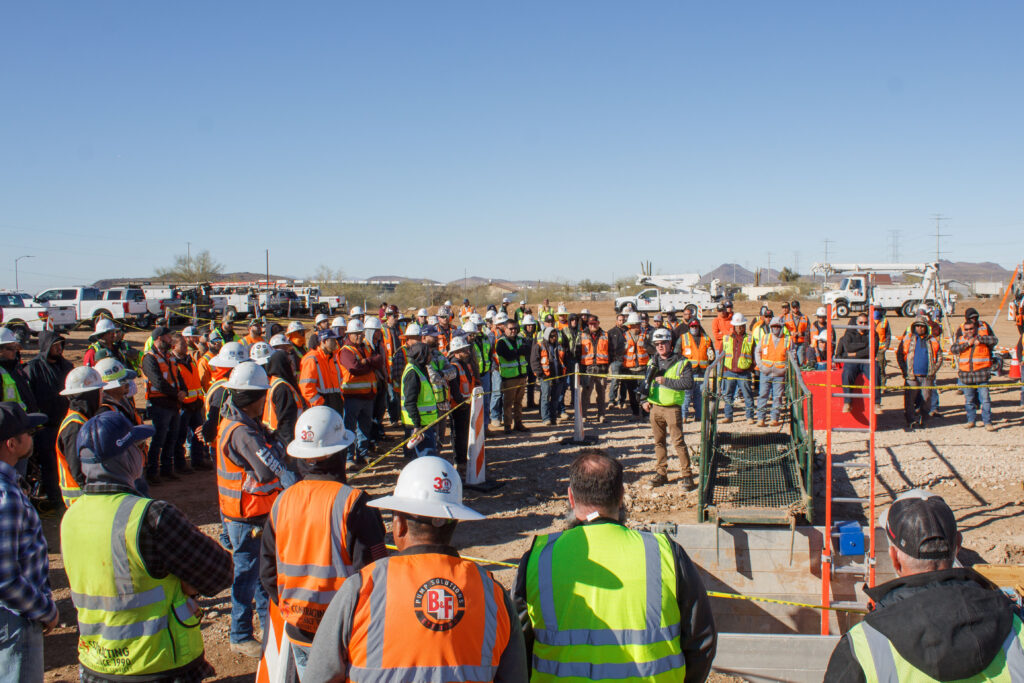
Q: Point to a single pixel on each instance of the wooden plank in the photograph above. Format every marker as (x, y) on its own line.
(1003, 575)
(774, 658)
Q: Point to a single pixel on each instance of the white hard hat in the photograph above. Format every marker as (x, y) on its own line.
(822, 336)
(372, 323)
(562, 310)
(296, 326)
(669, 308)
(448, 302)
(190, 331)
(529, 320)
(103, 325)
(431, 319)
(443, 313)
(428, 487)
(458, 343)
(489, 315)
(338, 322)
(319, 432)
(469, 327)
(356, 310)
(821, 312)
(522, 303)
(113, 373)
(7, 336)
(505, 300)
(316, 321)
(478, 319)
(80, 380)
(738, 319)
(260, 353)
(661, 335)
(230, 355)
(585, 311)
(500, 319)
(424, 312)
(412, 330)
(278, 340)
(355, 326)
(248, 376)
(633, 319)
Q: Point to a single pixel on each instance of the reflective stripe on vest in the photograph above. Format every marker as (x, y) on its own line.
(360, 385)
(974, 358)
(449, 614)
(773, 356)
(125, 620)
(594, 354)
(746, 357)
(587, 629)
(882, 663)
(270, 416)
(240, 494)
(311, 564)
(510, 369)
(69, 489)
(10, 389)
(189, 373)
(545, 361)
(426, 401)
(663, 396)
(696, 353)
(166, 371)
(636, 351)
(323, 387)
(483, 354)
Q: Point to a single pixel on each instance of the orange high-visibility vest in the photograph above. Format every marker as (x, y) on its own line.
(444, 339)
(797, 324)
(240, 494)
(167, 370)
(319, 375)
(427, 616)
(69, 489)
(465, 378)
(545, 361)
(270, 416)
(249, 339)
(363, 384)
(466, 311)
(594, 354)
(205, 371)
(391, 344)
(189, 373)
(934, 350)
(636, 351)
(975, 358)
(310, 523)
(774, 355)
(696, 353)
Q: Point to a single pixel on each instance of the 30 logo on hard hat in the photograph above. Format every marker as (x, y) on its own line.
(443, 484)
(439, 604)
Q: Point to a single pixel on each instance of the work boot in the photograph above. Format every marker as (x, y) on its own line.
(762, 423)
(249, 648)
(687, 485)
(659, 480)
(506, 430)
(846, 408)
(520, 428)
(978, 424)
(726, 420)
(970, 425)
(990, 428)
(775, 423)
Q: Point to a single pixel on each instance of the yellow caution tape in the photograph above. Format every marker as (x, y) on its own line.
(736, 596)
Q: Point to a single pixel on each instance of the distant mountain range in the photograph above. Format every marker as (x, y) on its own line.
(737, 274)
(985, 271)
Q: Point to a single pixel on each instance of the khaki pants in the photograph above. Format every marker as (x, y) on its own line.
(512, 392)
(667, 421)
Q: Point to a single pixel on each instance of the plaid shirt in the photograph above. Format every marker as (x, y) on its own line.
(24, 565)
(972, 378)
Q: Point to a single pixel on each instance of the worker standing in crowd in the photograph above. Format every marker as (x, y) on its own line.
(46, 374)
(721, 326)
(460, 355)
(634, 362)
(358, 386)
(762, 325)
(935, 621)
(448, 619)
(421, 317)
(391, 336)
(164, 397)
(594, 359)
(821, 350)
(466, 311)
(520, 313)
(973, 352)
(254, 334)
(483, 352)
(528, 337)
(820, 322)
(231, 354)
(737, 364)
(855, 345)
(250, 475)
(556, 576)
(338, 327)
(982, 328)
(883, 336)
(410, 335)
(617, 357)
(213, 346)
(512, 364)
(284, 402)
(440, 372)
(667, 376)
(320, 532)
(101, 342)
(548, 362)
(322, 322)
(28, 611)
(192, 414)
(118, 389)
(497, 330)
(545, 310)
(695, 346)
(135, 566)
(919, 356)
(227, 327)
(419, 400)
(14, 383)
(373, 338)
(320, 374)
(296, 335)
(83, 388)
(772, 353)
(797, 325)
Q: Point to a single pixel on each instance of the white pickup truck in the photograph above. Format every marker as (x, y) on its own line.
(87, 302)
(133, 302)
(27, 318)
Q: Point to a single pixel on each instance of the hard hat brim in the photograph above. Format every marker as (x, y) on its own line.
(424, 508)
(81, 390)
(261, 361)
(303, 451)
(223, 363)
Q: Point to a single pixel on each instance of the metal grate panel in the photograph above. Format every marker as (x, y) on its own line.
(755, 471)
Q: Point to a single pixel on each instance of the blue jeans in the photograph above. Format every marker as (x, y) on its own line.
(801, 354)
(548, 397)
(197, 453)
(246, 588)
(773, 385)
(733, 381)
(358, 420)
(428, 446)
(21, 648)
(496, 404)
(616, 367)
(485, 386)
(852, 372)
(695, 395)
(980, 394)
(161, 448)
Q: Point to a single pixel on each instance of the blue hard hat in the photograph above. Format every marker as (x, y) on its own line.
(879, 314)
(428, 331)
(109, 434)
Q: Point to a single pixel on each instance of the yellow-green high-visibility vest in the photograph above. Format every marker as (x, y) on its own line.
(882, 663)
(426, 401)
(663, 396)
(746, 359)
(599, 612)
(510, 369)
(10, 389)
(129, 623)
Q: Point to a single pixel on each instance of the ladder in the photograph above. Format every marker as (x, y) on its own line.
(864, 459)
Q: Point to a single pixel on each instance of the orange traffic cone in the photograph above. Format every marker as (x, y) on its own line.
(1014, 365)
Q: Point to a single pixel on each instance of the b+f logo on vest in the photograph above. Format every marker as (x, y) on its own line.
(439, 604)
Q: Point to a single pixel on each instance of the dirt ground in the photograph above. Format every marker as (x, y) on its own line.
(978, 472)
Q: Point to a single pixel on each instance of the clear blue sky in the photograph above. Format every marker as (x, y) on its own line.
(518, 139)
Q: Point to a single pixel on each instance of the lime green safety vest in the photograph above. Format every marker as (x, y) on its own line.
(663, 396)
(882, 663)
(129, 623)
(483, 355)
(426, 402)
(746, 359)
(599, 613)
(10, 389)
(510, 369)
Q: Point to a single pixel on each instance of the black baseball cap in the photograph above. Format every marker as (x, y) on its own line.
(14, 420)
(921, 524)
(160, 331)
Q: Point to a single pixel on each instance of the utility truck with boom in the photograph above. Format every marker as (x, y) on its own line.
(679, 291)
(857, 291)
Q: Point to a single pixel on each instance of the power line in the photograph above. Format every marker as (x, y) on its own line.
(939, 235)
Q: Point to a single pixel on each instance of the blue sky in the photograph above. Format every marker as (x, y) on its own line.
(523, 140)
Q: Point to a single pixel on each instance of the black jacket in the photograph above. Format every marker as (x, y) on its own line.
(853, 344)
(418, 354)
(151, 369)
(616, 343)
(17, 371)
(47, 380)
(88, 404)
(287, 412)
(948, 624)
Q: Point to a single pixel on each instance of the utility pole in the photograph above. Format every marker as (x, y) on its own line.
(939, 234)
(268, 267)
(768, 274)
(16, 269)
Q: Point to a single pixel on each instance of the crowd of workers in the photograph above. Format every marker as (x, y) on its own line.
(284, 414)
